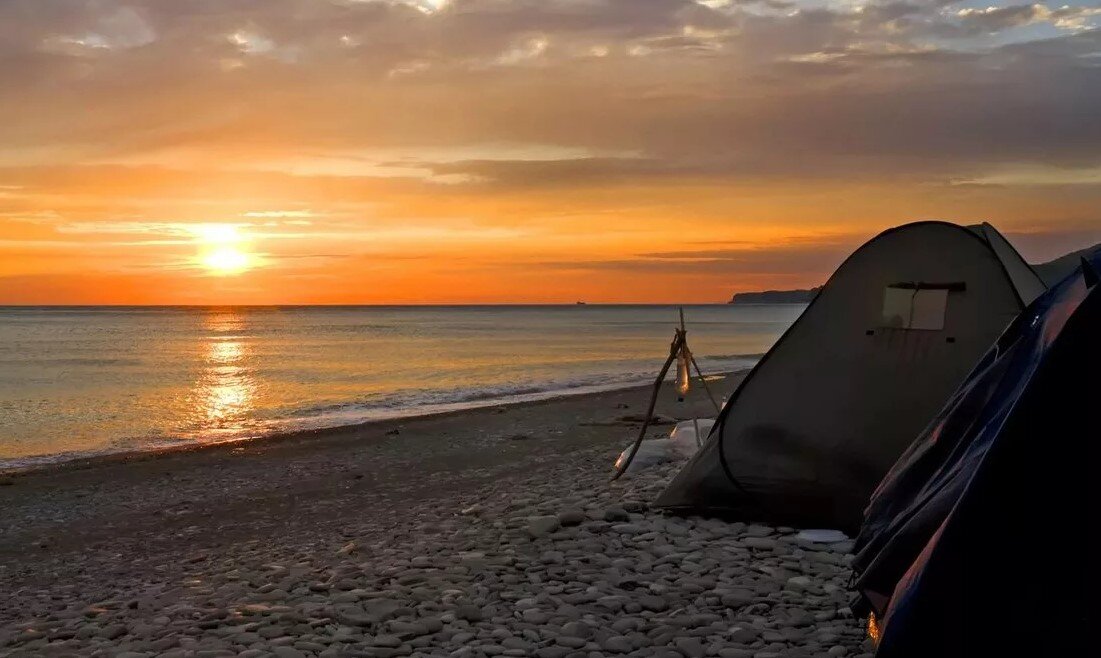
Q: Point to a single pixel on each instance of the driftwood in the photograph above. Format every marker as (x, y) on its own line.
(680, 342)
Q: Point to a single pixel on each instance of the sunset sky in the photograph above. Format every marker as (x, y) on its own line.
(464, 151)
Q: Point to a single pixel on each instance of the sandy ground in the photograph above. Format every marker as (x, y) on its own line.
(355, 542)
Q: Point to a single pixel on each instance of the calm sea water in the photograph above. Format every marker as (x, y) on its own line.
(95, 380)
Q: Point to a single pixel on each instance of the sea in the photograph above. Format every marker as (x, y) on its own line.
(85, 381)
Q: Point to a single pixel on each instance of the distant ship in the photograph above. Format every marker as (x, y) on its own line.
(581, 303)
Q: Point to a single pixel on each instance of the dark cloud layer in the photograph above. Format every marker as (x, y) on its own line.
(716, 89)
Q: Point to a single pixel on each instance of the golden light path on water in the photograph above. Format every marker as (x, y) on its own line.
(225, 389)
(87, 381)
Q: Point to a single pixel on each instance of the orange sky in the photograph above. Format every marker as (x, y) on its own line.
(316, 151)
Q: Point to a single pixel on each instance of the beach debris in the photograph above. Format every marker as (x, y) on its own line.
(688, 435)
(683, 442)
(657, 419)
(821, 536)
(650, 453)
(473, 510)
(348, 549)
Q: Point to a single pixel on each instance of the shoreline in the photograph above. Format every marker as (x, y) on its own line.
(79, 461)
(479, 533)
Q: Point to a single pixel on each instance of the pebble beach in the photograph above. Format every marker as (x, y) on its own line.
(490, 532)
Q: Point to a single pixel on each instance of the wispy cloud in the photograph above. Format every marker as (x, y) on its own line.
(628, 137)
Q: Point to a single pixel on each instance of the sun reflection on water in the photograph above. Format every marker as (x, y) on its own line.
(225, 389)
(228, 351)
(227, 386)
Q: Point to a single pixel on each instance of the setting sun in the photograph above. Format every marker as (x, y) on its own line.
(525, 152)
(227, 260)
(219, 252)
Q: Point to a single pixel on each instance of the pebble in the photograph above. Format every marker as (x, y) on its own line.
(539, 526)
(653, 603)
(572, 517)
(541, 570)
(760, 543)
(613, 514)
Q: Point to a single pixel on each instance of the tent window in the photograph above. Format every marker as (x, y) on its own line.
(916, 305)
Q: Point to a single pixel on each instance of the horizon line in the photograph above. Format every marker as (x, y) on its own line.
(374, 305)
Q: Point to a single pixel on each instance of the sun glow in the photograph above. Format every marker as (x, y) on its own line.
(221, 253)
(227, 260)
(217, 233)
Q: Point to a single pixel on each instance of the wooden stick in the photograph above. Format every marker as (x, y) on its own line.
(707, 388)
(674, 349)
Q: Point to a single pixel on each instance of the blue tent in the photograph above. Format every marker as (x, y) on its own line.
(983, 539)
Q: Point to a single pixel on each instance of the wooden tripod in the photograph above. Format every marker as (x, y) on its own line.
(679, 344)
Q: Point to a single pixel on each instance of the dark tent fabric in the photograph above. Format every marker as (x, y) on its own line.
(814, 426)
(983, 538)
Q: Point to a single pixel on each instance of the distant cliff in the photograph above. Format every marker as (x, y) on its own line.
(1051, 272)
(775, 297)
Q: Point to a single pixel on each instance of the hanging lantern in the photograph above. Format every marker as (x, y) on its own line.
(684, 358)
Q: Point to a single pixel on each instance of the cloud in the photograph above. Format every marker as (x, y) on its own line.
(803, 258)
(546, 126)
(995, 19)
(721, 90)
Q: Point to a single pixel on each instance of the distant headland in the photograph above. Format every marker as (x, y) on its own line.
(775, 297)
(1051, 272)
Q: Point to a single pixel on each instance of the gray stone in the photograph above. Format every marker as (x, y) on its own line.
(577, 629)
(614, 514)
(572, 517)
(653, 603)
(760, 543)
(540, 526)
(385, 641)
(736, 598)
(690, 647)
(758, 531)
(617, 644)
(113, 632)
(571, 642)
